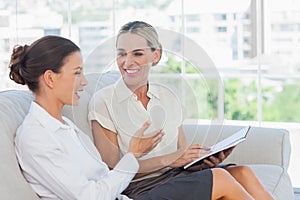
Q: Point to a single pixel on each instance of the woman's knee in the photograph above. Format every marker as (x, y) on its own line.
(221, 175)
(225, 186)
(240, 171)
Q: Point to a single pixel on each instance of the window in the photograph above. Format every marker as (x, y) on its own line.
(220, 17)
(226, 32)
(221, 29)
(192, 18)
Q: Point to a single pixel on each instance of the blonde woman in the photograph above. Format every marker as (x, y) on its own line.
(118, 110)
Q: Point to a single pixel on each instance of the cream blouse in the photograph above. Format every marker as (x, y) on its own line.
(117, 109)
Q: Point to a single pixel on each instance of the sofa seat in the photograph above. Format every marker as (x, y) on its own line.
(275, 179)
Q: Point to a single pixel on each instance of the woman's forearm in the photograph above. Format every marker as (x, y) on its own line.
(154, 164)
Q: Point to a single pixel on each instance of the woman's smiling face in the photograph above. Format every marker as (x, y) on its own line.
(71, 80)
(134, 59)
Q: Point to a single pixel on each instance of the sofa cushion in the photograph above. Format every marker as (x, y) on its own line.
(14, 106)
(246, 153)
(275, 180)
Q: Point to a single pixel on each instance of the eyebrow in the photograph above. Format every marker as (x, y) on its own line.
(76, 68)
(120, 49)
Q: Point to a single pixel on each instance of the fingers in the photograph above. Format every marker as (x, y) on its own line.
(195, 146)
(157, 137)
(198, 146)
(227, 152)
(198, 149)
(192, 152)
(221, 156)
(211, 162)
(154, 133)
(201, 147)
(141, 130)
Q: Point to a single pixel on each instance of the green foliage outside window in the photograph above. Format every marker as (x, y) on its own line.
(240, 99)
(174, 66)
(282, 105)
(200, 96)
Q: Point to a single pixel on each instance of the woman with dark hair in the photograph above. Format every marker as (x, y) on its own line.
(57, 159)
(117, 110)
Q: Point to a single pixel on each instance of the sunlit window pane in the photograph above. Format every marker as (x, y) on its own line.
(282, 61)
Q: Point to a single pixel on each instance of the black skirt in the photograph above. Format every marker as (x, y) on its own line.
(175, 184)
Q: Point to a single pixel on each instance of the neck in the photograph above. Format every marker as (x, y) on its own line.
(141, 91)
(52, 107)
(141, 94)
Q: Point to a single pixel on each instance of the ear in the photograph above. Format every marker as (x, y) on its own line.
(48, 78)
(156, 56)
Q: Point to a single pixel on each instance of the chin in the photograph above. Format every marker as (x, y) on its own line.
(75, 103)
(133, 82)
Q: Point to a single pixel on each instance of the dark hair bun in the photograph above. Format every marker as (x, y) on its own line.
(16, 64)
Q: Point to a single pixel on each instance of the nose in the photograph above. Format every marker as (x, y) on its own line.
(83, 80)
(128, 61)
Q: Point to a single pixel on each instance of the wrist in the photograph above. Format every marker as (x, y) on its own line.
(136, 155)
(165, 161)
(170, 160)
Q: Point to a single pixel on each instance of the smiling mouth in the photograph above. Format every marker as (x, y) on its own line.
(77, 94)
(131, 71)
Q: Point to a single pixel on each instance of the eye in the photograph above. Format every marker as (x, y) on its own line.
(138, 54)
(78, 72)
(121, 54)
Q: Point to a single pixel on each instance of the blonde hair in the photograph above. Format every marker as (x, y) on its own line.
(144, 30)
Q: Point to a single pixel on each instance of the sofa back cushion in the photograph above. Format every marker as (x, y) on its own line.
(263, 145)
(13, 107)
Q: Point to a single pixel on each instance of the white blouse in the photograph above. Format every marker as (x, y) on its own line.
(117, 109)
(61, 162)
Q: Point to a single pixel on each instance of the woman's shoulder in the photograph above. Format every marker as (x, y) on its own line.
(159, 87)
(104, 92)
(31, 135)
(163, 91)
(37, 128)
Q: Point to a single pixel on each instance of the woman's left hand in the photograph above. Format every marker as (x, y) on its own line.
(213, 161)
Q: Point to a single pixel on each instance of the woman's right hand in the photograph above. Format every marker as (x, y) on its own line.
(141, 144)
(188, 154)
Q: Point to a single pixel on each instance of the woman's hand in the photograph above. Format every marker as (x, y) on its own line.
(141, 144)
(213, 161)
(189, 154)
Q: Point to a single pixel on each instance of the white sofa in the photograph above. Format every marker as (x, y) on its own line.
(266, 151)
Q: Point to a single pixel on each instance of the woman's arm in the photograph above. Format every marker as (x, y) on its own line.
(49, 165)
(106, 142)
(184, 155)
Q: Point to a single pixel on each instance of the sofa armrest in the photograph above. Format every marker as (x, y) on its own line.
(263, 145)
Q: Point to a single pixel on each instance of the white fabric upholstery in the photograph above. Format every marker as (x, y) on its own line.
(267, 150)
(275, 179)
(13, 107)
(272, 146)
